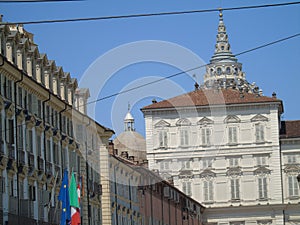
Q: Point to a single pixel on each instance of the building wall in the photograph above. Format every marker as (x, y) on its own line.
(206, 171)
(40, 136)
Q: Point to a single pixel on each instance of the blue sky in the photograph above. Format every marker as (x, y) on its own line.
(76, 46)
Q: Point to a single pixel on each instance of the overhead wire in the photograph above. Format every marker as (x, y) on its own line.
(150, 14)
(37, 1)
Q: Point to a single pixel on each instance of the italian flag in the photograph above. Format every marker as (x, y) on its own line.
(74, 193)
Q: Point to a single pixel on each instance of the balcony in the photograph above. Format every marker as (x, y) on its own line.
(30, 160)
(11, 151)
(49, 168)
(54, 215)
(22, 156)
(26, 208)
(40, 163)
(13, 205)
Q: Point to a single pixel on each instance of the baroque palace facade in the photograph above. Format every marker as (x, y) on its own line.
(224, 144)
(44, 130)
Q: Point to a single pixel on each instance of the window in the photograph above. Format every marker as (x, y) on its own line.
(292, 159)
(206, 136)
(206, 163)
(259, 133)
(232, 135)
(29, 144)
(164, 165)
(29, 100)
(10, 132)
(228, 70)
(233, 162)
(38, 145)
(55, 154)
(48, 153)
(219, 71)
(293, 186)
(20, 137)
(187, 188)
(235, 189)
(208, 190)
(184, 137)
(186, 164)
(261, 160)
(7, 88)
(20, 97)
(47, 114)
(163, 138)
(262, 188)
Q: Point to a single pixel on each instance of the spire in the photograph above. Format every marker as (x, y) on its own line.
(222, 48)
(129, 121)
(224, 70)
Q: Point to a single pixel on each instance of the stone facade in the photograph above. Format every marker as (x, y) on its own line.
(43, 133)
(222, 145)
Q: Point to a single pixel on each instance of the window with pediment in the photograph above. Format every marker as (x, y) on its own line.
(206, 136)
(206, 163)
(162, 133)
(232, 129)
(261, 160)
(187, 187)
(233, 162)
(292, 158)
(259, 127)
(259, 132)
(232, 135)
(235, 188)
(262, 187)
(186, 164)
(293, 186)
(205, 131)
(208, 193)
(163, 138)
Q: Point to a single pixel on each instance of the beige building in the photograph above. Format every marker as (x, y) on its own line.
(44, 130)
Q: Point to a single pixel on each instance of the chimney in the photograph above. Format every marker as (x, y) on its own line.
(124, 154)
(111, 147)
(131, 158)
(81, 97)
(115, 151)
(274, 95)
(196, 86)
(154, 101)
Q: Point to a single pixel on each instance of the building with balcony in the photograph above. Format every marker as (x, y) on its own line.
(224, 144)
(44, 130)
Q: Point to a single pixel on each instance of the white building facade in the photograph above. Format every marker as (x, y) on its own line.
(224, 145)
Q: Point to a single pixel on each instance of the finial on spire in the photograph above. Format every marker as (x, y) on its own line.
(128, 106)
(221, 13)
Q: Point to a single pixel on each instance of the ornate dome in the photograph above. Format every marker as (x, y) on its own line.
(131, 141)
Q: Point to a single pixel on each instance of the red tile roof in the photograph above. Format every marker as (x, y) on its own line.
(211, 97)
(290, 129)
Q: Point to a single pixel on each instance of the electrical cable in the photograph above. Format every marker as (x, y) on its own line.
(37, 1)
(149, 14)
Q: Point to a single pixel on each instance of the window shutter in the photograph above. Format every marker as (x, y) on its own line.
(210, 188)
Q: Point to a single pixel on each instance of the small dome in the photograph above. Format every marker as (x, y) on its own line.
(128, 117)
(132, 142)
